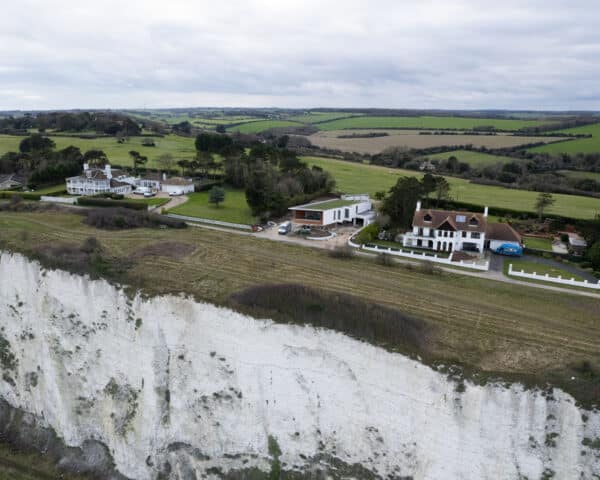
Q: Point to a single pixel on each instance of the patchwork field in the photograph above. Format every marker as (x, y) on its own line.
(474, 159)
(363, 178)
(413, 139)
(262, 125)
(319, 117)
(425, 122)
(118, 153)
(577, 145)
(580, 175)
(234, 209)
(490, 326)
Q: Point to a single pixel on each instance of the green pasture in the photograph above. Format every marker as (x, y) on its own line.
(576, 145)
(426, 122)
(473, 158)
(363, 178)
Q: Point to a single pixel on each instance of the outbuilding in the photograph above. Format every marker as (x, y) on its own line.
(177, 184)
(499, 235)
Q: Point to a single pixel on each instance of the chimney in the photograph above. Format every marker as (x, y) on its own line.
(418, 209)
(86, 167)
(164, 177)
(485, 212)
(107, 171)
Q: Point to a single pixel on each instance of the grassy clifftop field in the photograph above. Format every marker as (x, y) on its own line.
(493, 327)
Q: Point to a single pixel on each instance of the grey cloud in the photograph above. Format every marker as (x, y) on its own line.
(428, 54)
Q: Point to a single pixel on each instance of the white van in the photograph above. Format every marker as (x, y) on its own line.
(285, 228)
(141, 190)
(176, 193)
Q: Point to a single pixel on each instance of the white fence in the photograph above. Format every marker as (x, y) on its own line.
(432, 257)
(68, 200)
(210, 222)
(548, 278)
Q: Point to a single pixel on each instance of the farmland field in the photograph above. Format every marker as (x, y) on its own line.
(118, 153)
(473, 158)
(576, 145)
(262, 125)
(490, 326)
(354, 177)
(425, 122)
(580, 175)
(234, 209)
(413, 139)
(318, 117)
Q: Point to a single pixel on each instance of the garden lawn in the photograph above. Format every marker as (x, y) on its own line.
(538, 243)
(540, 269)
(118, 153)
(427, 122)
(233, 209)
(353, 177)
(473, 158)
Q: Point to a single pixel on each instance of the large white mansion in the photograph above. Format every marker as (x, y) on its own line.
(107, 180)
(452, 231)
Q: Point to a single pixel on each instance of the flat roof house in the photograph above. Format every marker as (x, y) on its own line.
(355, 209)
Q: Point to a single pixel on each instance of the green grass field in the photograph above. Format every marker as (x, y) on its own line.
(541, 269)
(577, 145)
(474, 159)
(580, 175)
(538, 243)
(317, 117)
(118, 153)
(362, 178)
(458, 123)
(234, 209)
(262, 125)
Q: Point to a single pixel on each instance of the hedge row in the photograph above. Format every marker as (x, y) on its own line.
(23, 195)
(105, 202)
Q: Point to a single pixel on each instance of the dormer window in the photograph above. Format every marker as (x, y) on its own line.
(427, 217)
(473, 222)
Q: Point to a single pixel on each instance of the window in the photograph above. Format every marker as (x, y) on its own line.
(420, 231)
(347, 213)
(473, 222)
(464, 234)
(427, 217)
(312, 215)
(475, 235)
(461, 218)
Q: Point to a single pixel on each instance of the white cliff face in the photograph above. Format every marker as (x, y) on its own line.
(170, 379)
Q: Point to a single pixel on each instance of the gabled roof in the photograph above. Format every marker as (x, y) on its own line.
(456, 219)
(13, 177)
(503, 232)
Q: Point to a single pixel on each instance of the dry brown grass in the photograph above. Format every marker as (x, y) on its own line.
(412, 139)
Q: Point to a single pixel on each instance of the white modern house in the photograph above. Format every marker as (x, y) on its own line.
(98, 180)
(354, 209)
(447, 231)
(175, 185)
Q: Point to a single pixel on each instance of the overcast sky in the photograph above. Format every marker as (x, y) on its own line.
(287, 53)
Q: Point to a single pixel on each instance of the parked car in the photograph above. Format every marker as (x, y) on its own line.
(176, 193)
(141, 190)
(148, 194)
(304, 230)
(509, 249)
(285, 228)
